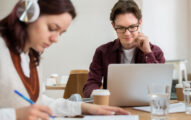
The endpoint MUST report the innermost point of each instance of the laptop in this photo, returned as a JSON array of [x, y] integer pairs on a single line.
[[128, 83]]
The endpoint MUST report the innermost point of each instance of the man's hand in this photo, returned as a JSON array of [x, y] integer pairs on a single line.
[[143, 43]]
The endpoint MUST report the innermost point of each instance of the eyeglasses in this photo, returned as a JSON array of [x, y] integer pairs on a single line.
[[131, 28]]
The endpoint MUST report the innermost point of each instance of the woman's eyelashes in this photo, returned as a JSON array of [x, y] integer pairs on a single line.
[[52, 29], [55, 28]]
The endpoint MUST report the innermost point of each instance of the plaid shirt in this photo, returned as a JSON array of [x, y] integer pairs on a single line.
[[110, 53]]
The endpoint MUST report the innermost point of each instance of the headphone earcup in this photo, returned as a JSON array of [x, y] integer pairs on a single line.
[[28, 11]]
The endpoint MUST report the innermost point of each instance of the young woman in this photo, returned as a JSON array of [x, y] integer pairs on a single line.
[[22, 41]]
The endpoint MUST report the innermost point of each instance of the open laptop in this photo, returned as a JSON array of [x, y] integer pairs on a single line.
[[128, 83]]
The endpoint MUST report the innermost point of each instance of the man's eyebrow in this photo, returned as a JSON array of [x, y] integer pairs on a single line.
[[119, 26]]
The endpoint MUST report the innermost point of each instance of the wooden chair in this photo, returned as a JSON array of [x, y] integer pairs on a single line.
[[75, 84]]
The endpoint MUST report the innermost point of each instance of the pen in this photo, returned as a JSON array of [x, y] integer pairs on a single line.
[[27, 99]]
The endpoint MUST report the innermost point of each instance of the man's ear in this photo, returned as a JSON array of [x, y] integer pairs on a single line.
[[140, 22], [113, 24], [140, 25]]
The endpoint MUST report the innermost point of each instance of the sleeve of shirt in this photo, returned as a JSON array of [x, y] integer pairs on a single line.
[[62, 107], [95, 74], [156, 56], [7, 114]]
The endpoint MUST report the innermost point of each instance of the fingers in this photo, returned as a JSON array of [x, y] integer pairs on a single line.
[[107, 110], [118, 111], [95, 109], [41, 111], [141, 36], [33, 112], [122, 112], [43, 108], [102, 111], [37, 114], [143, 43]]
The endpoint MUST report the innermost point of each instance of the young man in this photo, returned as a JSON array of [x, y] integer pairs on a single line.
[[131, 46]]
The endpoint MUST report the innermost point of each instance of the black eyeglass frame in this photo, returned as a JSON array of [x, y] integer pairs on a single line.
[[123, 29]]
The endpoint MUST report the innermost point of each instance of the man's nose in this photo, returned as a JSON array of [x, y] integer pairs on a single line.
[[127, 32]]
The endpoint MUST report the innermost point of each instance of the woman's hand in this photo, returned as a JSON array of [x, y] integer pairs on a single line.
[[33, 112], [102, 110]]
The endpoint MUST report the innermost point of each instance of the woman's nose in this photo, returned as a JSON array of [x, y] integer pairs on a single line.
[[54, 38]]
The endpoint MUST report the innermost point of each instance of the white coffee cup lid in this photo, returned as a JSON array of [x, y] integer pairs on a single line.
[[101, 92], [179, 85]]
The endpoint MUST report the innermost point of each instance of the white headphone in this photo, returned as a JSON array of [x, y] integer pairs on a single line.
[[28, 10]]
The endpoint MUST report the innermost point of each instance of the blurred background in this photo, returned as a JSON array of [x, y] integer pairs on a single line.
[[165, 22]]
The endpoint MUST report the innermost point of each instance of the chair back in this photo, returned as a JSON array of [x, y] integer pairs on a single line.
[[75, 84]]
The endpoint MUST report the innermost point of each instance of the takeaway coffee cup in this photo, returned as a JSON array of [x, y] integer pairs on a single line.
[[101, 96], [179, 92]]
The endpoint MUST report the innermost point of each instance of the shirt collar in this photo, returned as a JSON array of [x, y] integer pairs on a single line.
[[117, 45]]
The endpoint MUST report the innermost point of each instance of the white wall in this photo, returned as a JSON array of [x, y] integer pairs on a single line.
[[165, 22], [89, 30], [6, 6], [189, 35]]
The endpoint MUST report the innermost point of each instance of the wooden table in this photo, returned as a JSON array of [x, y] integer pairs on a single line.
[[146, 115], [57, 87]]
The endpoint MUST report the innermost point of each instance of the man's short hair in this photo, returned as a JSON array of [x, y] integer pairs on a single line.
[[125, 6]]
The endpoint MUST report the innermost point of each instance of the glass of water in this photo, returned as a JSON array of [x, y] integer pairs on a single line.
[[159, 101], [187, 95]]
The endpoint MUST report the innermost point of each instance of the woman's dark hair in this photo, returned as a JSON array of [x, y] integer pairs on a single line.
[[14, 31], [125, 6]]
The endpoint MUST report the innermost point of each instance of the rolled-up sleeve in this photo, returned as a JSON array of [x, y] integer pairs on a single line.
[[63, 107], [156, 56]]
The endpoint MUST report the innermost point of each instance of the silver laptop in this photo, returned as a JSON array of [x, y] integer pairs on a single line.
[[128, 83]]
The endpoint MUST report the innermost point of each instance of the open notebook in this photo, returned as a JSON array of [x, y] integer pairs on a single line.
[[101, 117], [116, 117]]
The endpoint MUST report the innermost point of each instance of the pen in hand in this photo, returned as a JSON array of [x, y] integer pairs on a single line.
[[27, 99]]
